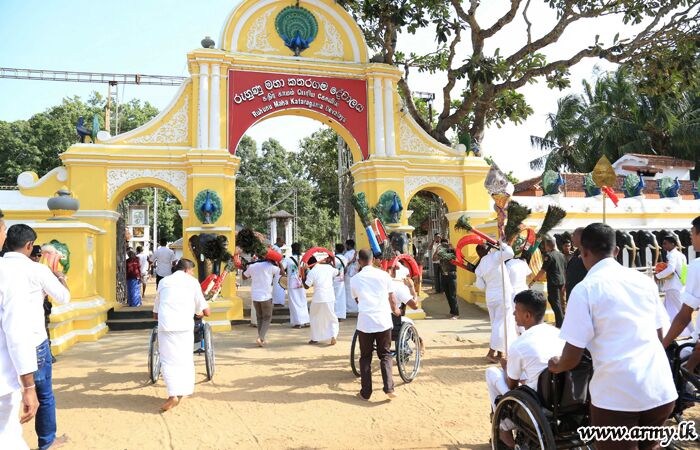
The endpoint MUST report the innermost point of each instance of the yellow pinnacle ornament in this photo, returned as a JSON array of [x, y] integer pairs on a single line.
[[604, 176]]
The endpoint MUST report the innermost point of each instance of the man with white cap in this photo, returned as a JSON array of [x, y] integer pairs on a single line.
[[324, 322]]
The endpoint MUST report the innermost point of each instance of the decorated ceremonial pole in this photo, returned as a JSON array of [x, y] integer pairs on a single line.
[[500, 190], [604, 176]]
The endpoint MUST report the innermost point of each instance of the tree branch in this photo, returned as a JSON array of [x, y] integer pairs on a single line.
[[408, 102], [529, 24], [451, 75], [503, 21]]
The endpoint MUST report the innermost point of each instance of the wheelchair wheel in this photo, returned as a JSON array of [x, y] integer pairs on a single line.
[[524, 414], [209, 352], [355, 354], [153, 356], [408, 352]]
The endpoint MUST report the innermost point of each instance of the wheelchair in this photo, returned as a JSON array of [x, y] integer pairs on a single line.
[[407, 350], [687, 384], [205, 346], [549, 417]]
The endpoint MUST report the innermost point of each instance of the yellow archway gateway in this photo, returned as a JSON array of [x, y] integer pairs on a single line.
[[190, 146]]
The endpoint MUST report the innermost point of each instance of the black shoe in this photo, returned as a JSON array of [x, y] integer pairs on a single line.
[[53, 359]]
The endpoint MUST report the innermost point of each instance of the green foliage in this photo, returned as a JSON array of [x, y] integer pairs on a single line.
[[420, 205], [618, 115], [266, 182], [35, 144]]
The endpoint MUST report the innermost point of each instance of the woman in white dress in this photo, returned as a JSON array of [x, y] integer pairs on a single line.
[[298, 306]]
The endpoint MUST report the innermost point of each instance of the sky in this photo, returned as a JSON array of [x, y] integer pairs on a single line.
[[154, 36]]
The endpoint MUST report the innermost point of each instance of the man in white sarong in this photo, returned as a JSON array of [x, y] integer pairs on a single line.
[[350, 271], [178, 300], [324, 323], [298, 306], [676, 267], [278, 292], [518, 271], [339, 283], [493, 278]]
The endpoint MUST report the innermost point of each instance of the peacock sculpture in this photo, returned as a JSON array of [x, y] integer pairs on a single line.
[[208, 206], [668, 188], [633, 185], [388, 208], [589, 186], [84, 132], [297, 27], [552, 182]]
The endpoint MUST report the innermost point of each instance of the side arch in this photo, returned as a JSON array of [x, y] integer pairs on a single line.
[[138, 183], [452, 199]]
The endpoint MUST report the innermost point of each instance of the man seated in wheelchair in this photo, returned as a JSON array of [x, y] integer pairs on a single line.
[[406, 295], [528, 355], [691, 302]]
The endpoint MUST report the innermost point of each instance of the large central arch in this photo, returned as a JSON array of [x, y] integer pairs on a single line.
[[190, 146]]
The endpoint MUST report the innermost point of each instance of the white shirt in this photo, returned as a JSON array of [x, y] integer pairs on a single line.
[[615, 312], [529, 354], [321, 278], [675, 262], [402, 292], [691, 295], [518, 271], [178, 299], [372, 286], [17, 351], [261, 275], [489, 278], [352, 267], [143, 262], [41, 282], [164, 259]]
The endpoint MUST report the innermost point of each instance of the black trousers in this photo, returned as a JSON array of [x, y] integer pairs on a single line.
[[449, 283], [158, 278], [383, 342], [437, 279], [655, 417], [554, 298]]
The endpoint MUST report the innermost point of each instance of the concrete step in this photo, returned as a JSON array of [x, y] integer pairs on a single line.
[[131, 324], [126, 312]]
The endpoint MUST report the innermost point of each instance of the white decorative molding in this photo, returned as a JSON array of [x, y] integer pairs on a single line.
[[116, 178], [379, 149], [454, 184], [174, 131], [28, 180], [203, 107], [333, 46], [257, 36], [410, 142], [390, 134], [214, 108], [90, 264]]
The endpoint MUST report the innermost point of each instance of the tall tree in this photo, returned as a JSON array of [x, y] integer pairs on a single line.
[[664, 29]]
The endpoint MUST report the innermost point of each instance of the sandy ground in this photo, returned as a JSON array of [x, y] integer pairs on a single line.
[[288, 395]]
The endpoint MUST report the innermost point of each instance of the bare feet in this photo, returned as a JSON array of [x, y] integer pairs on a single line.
[[59, 441], [296, 327], [260, 342], [312, 342], [170, 404], [333, 341], [306, 325], [391, 395]]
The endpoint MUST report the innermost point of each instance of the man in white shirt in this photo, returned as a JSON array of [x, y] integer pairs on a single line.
[[493, 278], [164, 259], [298, 305], [262, 274], [17, 354], [142, 255], [691, 300], [528, 355], [178, 300], [339, 283], [324, 323], [616, 314], [350, 271], [278, 292], [671, 283], [41, 281], [376, 301]]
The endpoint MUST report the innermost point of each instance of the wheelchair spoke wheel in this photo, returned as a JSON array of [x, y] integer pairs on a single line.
[[209, 352], [153, 356], [521, 415], [408, 352], [355, 355]]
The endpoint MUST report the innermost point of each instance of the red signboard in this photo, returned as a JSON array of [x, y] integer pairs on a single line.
[[255, 95]]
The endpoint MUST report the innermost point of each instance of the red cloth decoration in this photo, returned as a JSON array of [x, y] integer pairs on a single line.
[[610, 193]]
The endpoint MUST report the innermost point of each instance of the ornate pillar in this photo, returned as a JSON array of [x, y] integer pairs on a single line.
[[202, 108], [214, 109], [379, 149], [389, 135]]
